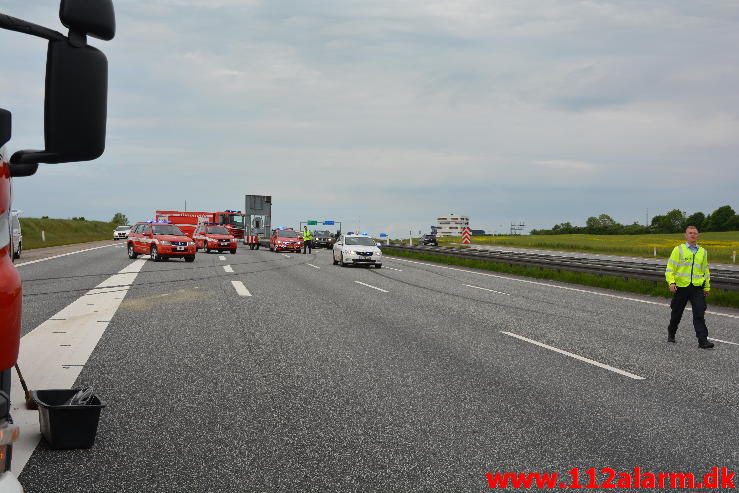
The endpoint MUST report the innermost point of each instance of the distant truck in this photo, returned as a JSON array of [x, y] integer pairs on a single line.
[[257, 220], [187, 221]]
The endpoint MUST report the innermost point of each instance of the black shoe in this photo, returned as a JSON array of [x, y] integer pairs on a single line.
[[671, 338], [705, 344]]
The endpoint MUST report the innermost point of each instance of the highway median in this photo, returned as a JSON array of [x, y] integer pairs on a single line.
[[719, 297]]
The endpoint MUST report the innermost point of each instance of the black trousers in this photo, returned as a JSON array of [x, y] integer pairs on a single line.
[[697, 299], [307, 245]]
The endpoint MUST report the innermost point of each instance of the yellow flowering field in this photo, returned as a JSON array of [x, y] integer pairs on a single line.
[[720, 245]]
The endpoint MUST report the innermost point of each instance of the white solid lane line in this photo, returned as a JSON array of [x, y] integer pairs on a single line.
[[221, 257], [286, 255], [391, 268], [240, 288], [53, 354], [725, 342], [575, 356], [626, 298], [371, 286], [228, 268], [486, 289], [62, 255], [314, 266]]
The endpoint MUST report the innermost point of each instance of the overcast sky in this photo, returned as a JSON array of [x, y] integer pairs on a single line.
[[387, 114]]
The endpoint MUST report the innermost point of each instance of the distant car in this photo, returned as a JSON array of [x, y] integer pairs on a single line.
[[211, 236], [323, 239], [356, 250], [16, 236], [430, 240], [285, 239], [161, 241], [121, 232]]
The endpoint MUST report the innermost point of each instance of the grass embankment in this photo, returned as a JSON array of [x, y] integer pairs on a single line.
[[652, 288], [720, 245], [62, 231]]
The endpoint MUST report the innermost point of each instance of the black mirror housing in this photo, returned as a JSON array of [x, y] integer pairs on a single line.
[[5, 126], [92, 17]]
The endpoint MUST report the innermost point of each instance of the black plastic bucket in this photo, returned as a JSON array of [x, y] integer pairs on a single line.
[[64, 426]]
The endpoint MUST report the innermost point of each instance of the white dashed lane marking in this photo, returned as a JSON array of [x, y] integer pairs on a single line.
[[240, 288], [371, 286], [228, 268], [221, 257], [314, 266], [575, 356], [725, 342], [486, 289]]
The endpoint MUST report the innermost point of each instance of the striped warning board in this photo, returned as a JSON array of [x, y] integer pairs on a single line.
[[466, 233]]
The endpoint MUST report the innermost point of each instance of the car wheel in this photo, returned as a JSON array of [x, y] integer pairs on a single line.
[[190, 258], [257, 247], [233, 252], [271, 249], [154, 254], [17, 253], [333, 257], [131, 253], [378, 266], [341, 260]]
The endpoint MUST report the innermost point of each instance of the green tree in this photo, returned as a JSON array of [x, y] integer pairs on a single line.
[[697, 219], [119, 218], [672, 222], [721, 219]]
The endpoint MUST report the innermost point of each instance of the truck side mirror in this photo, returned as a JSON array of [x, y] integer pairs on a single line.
[[5, 126], [75, 108]]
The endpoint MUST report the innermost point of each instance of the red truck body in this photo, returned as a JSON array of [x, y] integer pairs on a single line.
[[10, 280], [187, 221]]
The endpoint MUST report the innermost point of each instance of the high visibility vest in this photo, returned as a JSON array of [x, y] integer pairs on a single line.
[[307, 235], [684, 268]]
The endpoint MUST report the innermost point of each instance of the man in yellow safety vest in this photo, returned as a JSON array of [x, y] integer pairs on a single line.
[[307, 239], [689, 279]]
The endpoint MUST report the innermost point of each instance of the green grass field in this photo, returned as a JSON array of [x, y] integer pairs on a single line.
[[721, 246], [62, 232]]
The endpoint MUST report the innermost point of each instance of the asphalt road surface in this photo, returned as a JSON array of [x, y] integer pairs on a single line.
[[269, 372]]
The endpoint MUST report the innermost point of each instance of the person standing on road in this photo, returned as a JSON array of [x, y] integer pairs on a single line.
[[689, 279], [307, 239]]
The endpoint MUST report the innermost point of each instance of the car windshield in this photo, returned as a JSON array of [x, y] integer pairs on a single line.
[[288, 234], [166, 229], [360, 240], [217, 230], [321, 233], [123, 228]]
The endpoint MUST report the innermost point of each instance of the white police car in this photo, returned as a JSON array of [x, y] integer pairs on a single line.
[[353, 249], [121, 232]]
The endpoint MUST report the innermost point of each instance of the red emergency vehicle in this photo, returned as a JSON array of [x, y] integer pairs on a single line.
[[212, 236], [187, 221], [286, 239]]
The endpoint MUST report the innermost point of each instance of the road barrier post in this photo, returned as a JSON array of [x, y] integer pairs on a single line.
[[733, 257], [43, 235], [655, 251]]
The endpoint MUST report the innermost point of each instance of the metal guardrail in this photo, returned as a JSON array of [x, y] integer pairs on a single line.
[[720, 279]]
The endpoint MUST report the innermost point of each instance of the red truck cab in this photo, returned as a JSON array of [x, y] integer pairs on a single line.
[[75, 115]]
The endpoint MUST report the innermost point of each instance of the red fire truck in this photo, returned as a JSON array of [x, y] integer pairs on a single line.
[[187, 221], [75, 112]]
